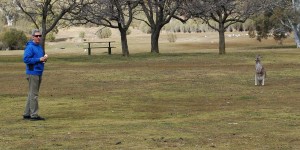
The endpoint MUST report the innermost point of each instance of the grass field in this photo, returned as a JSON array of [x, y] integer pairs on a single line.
[[184, 98]]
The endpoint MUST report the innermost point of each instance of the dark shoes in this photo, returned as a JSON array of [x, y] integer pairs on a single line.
[[33, 118], [37, 118], [26, 117]]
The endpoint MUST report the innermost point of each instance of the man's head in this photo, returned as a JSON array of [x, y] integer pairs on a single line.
[[36, 36]]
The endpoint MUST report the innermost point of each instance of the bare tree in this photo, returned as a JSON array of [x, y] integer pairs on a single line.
[[46, 14], [110, 13], [158, 14], [222, 12]]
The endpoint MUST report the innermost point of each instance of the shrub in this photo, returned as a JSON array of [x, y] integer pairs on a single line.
[[177, 28], [168, 28], [230, 29], [182, 28], [145, 28], [279, 36], [252, 32], [128, 32], [104, 33], [171, 37], [50, 37], [1, 45], [82, 34], [13, 39]]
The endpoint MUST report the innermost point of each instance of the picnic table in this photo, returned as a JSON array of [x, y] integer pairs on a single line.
[[104, 44]]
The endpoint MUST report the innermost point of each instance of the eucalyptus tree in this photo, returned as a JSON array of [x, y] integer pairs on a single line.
[[159, 13], [9, 11], [292, 21], [224, 13], [280, 18], [110, 13], [46, 14]]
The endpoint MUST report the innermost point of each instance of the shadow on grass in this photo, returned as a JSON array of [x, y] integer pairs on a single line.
[[117, 58], [276, 47]]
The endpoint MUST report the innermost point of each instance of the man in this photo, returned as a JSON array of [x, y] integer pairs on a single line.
[[35, 59]]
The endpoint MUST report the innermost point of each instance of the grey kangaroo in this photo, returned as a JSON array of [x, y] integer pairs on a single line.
[[260, 72]]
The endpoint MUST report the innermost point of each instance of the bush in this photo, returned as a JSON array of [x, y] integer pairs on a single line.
[[144, 28], [1, 45], [13, 39], [104, 33], [82, 34], [168, 28], [176, 28], [128, 32], [279, 36], [50, 37], [171, 37]]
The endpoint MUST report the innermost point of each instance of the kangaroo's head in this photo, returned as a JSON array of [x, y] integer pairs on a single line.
[[258, 58]]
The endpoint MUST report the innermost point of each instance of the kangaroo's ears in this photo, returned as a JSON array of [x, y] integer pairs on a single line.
[[258, 57]]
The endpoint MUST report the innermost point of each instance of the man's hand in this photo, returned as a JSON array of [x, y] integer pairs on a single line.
[[44, 59]]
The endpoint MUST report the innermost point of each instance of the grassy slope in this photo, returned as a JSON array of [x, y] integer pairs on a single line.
[[174, 100]]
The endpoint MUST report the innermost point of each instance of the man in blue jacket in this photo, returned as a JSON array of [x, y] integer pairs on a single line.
[[35, 59]]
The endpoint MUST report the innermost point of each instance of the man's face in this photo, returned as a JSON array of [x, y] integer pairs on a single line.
[[37, 37]]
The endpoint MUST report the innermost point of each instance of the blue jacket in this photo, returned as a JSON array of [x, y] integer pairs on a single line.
[[32, 54]]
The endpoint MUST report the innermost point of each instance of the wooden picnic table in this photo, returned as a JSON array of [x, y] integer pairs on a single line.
[[109, 47]]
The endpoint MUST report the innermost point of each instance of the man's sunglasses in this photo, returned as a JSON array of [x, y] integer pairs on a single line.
[[37, 35]]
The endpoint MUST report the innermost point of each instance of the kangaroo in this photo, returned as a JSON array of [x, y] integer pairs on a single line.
[[260, 72]]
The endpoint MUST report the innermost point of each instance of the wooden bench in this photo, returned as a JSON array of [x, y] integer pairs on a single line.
[[109, 47]]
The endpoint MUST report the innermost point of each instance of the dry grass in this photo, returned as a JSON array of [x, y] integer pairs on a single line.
[[185, 98]]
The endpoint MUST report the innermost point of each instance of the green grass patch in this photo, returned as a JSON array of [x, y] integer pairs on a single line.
[[162, 101]]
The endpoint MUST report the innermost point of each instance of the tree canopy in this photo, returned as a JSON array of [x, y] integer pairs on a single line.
[[270, 16], [45, 15], [224, 12], [110, 13], [279, 19], [158, 13]]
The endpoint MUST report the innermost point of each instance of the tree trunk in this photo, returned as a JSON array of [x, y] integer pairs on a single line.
[[154, 41], [43, 41], [125, 51], [295, 27], [296, 32], [44, 34], [9, 20], [296, 35], [221, 39]]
